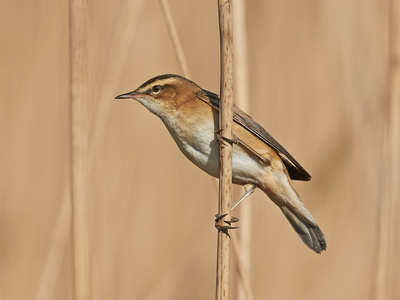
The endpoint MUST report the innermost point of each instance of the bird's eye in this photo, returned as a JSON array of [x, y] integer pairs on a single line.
[[156, 88]]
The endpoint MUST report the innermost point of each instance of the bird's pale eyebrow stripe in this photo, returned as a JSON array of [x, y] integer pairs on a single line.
[[163, 78], [162, 82]]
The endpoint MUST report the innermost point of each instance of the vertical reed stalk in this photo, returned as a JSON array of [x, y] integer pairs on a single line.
[[175, 38], [242, 99], [388, 235], [178, 51], [124, 37], [243, 280], [225, 123], [56, 251], [78, 90]]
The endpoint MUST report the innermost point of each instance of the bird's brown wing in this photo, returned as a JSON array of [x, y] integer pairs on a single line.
[[296, 171]]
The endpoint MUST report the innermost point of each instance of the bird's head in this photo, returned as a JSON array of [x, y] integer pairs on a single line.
[[164, 94]]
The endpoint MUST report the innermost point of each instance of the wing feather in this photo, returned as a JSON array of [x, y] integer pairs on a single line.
[[296, 171]]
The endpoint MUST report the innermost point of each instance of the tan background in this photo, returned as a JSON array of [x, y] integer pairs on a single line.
[[319, 73]]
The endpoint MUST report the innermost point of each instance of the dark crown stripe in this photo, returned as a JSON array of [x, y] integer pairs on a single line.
[[161, 77]]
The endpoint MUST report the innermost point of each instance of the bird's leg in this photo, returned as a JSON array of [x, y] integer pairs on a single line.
[[247, 193], [224, 228], [249, 189]]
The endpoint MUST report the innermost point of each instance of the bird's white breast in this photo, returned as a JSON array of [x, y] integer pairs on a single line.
[[200, 147]]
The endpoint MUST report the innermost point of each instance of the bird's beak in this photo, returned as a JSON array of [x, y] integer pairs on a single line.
[[130, 95]]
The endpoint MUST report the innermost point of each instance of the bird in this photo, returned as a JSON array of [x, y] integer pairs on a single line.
[[191, 116]]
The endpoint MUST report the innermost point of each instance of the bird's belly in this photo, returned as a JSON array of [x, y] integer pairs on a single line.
[[202, 150], [246, 167]]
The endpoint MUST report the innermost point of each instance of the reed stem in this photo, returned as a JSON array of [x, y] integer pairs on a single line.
[[389, 208], [175, 38], [225, 123], [78, 90], [242, 99]]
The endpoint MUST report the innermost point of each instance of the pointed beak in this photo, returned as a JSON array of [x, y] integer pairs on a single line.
[[130, 95]]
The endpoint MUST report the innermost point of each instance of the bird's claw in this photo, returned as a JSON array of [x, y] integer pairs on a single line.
[[224, 228], [233, 220], [222, 140]]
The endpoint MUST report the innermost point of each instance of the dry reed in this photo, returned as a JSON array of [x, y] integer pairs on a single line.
[[244, 292], [389, 209], [121, 46], [174, 37], [79, 93], [225, 126], [56, 252], [242, 99]]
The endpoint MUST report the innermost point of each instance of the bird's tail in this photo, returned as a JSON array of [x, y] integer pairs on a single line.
[[309, 233]]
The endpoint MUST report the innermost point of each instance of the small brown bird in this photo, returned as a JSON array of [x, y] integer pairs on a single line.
[[191, 116]]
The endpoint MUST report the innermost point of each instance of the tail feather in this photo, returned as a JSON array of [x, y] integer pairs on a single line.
[[310, 234]]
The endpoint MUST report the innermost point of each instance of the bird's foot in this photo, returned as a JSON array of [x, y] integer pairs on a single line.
[[222, 227], [223, 140]]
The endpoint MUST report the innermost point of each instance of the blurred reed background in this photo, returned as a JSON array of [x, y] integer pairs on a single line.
[[324, 80]]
